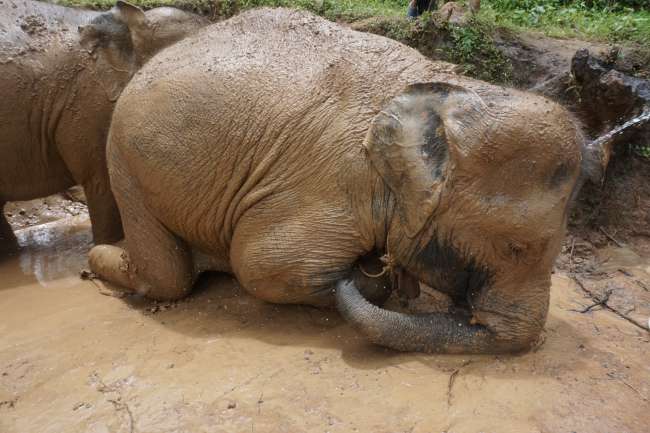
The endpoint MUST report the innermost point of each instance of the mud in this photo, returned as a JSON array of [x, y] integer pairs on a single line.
[[71, 202], [73, 360]]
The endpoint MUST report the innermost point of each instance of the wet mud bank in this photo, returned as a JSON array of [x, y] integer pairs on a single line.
[[75, 360]]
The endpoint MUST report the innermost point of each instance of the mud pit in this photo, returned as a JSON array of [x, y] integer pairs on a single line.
[[74, 360]]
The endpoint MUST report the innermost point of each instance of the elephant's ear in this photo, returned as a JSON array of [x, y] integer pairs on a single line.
[[131, 15], [415, 139], [119, 28]]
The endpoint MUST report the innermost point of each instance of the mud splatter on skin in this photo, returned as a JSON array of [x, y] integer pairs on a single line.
[[273, 109]]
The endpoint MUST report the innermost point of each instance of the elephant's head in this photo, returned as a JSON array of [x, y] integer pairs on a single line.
[[125, 37], [481, 179]]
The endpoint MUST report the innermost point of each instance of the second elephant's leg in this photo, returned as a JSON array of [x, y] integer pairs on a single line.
[[155, 262], [104, 214], [7, 237]]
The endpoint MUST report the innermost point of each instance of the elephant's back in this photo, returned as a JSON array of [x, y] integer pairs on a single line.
[[28, 27], [264, 71], [38, 44], [36, 40], [282, 49], [268, 100]]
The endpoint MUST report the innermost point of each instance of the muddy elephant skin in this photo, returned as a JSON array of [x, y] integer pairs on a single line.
[[283, 148], [61, 71]]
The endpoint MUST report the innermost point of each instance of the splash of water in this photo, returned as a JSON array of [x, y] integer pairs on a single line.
[[616, 132]]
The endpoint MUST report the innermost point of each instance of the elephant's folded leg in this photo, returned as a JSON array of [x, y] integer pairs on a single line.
[[156, 262]]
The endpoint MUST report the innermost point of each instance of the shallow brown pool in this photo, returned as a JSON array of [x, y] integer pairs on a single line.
[[74, 360]]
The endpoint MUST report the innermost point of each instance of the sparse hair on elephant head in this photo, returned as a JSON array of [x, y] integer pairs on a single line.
[[130, 36]]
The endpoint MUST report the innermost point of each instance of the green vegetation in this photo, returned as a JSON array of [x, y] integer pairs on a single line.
[[473, 48], [603, 20], [642, 150]]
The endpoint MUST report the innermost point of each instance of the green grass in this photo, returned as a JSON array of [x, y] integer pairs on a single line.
[[596, 20], [473, 48]]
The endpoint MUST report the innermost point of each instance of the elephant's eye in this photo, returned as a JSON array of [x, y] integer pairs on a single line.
[[513, 250], [516, 249], [526, 252]]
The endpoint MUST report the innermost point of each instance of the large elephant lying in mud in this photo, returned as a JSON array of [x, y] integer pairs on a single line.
[[61, 71], [285, 149]]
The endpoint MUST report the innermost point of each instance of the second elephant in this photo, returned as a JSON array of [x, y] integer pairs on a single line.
[[61, 71]]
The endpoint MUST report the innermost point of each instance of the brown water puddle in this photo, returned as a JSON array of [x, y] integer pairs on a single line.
[[72, 360]]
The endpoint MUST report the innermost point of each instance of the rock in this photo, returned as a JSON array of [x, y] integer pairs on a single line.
[[608, 97]]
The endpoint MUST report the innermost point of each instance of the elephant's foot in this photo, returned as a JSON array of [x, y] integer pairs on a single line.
[[112, 264]]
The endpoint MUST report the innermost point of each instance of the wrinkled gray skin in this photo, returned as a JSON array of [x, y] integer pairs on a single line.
[[61, 71], [283, 148]]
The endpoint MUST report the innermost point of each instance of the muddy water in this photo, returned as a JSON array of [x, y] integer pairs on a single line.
[[74, 360]]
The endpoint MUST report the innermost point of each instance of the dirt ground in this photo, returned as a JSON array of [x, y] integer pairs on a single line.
[[73, 359]]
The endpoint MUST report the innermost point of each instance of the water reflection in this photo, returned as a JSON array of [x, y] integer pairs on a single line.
[[47, 252]]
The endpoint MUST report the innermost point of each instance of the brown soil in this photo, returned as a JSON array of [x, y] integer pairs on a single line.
[[74, 360], [617, 211], [43, 210]]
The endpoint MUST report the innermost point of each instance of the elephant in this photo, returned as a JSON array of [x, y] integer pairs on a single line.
[[61, 71], [288, 150]]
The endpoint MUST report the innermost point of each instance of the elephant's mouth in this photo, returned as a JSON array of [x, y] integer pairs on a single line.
[[494, 313], [453, 271], [443, 268]]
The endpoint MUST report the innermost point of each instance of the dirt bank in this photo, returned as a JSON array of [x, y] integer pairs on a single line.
[[74, 360]]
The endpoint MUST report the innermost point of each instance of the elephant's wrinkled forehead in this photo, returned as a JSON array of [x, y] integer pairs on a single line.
[[526, 142]]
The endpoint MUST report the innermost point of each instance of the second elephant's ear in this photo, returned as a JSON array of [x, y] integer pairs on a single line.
[[413, 141], [119, 28], [129, 14]]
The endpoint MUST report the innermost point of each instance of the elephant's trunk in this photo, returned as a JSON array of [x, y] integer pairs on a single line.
[[432, 333]]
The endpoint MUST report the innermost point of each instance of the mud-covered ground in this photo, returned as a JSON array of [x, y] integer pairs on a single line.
[[75, 359]]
